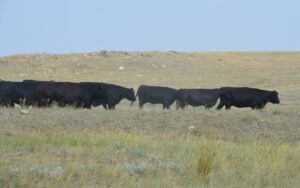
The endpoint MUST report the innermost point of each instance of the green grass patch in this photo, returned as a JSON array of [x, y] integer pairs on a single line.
[[99, 159]]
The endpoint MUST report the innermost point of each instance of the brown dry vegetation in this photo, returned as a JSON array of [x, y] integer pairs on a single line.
[[152, 147]]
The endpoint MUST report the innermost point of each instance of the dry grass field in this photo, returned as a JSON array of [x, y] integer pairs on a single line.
[[128, 147]]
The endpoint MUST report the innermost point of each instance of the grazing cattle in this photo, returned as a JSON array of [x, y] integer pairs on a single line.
[[69, 93], [197, 97], [246, 97], [113, 94], [17, 92], [156, 95]]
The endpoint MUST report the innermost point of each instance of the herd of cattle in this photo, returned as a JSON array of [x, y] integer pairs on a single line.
[[87, 94]]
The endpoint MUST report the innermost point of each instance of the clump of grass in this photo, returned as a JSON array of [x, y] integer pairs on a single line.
[[161, 165], [128, 168], [118, 146], [137, 153], [205, 162], [140, 169], [48, 172]]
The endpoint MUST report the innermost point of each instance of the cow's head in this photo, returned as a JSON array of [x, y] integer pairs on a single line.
[[273, 97], [130, 95]]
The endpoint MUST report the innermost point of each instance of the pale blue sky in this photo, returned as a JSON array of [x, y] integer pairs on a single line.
[[63, 26]]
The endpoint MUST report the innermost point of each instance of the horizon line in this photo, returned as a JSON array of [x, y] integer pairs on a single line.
[[148, 51]]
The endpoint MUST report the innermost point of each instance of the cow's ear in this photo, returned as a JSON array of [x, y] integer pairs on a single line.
[[274, 92]]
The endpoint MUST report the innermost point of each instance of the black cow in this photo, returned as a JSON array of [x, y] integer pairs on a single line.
[[5, 93], [33, 84], [157, 95], [16, 92], [246, 97], [113, 94], [197, 97], [68, 93]]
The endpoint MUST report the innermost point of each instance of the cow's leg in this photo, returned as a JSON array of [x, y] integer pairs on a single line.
[[87, 102], [177, 104], [180, 104], [227, 106], [220, 106], [30, 102], [166, 106], [6, 103], [38, 103], [61, 104], [87, 105], [258, 105], [105, 106], [11, 104], [141, 104], [77, 104], [49, 102], [183, 105], [41, 102], [111, 104]]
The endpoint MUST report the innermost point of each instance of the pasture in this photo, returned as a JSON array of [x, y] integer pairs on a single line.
[[128, 147]]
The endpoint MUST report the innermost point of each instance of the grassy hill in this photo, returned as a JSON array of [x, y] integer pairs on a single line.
[[59, 147]]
